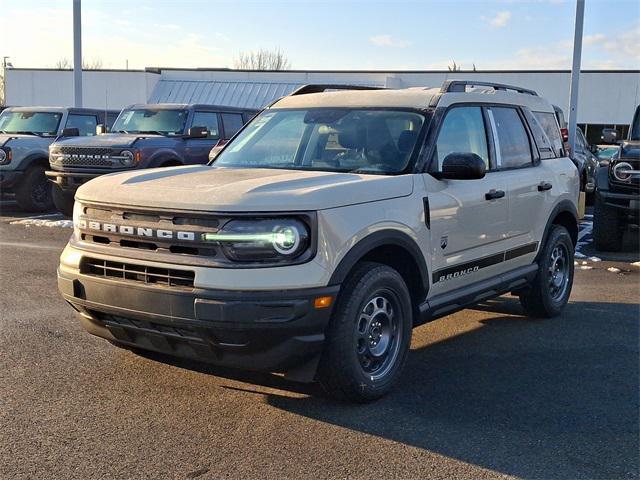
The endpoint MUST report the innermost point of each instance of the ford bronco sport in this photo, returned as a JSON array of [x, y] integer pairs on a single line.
[[329, 227], [25, 136], [618, 192], [143, 136]]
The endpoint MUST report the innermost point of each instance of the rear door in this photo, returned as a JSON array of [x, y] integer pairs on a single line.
[[468, 218], [231, 123], [528, 184]]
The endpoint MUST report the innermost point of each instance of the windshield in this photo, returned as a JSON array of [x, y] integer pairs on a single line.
[[341, 140], [145, 120], [635, 128], [35, 123]]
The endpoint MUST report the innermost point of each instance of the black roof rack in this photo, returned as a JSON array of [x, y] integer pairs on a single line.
[[318, 88], [459, 86]]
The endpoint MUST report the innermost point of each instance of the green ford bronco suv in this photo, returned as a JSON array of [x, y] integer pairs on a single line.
[[331, 225]]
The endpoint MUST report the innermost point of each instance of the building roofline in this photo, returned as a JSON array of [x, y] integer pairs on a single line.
[[159, 70]]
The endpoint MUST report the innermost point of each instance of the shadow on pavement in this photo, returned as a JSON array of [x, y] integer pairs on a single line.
[[553, 398]]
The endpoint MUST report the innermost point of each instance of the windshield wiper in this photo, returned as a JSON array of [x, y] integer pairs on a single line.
[[28, 132], [153, 132]]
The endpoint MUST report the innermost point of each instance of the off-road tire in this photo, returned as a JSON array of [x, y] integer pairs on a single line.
[[33, 193], [63, 201], [340, 371], [607, 227], [538, 301]]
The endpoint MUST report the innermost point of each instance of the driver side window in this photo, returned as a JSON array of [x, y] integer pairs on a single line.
[[462, 131]]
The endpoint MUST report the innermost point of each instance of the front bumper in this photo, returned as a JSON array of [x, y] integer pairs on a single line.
[[629, 202], [272, 331], [71, 181]]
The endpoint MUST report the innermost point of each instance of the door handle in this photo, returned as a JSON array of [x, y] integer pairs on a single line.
[[544, 186], [493, 194]]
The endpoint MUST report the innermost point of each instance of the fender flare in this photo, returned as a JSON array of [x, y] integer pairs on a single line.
[[163, 156], [562, 206], [602, 178], [373, 241], [30, 159]]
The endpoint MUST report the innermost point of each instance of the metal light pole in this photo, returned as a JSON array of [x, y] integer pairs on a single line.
[[4, 80], [575, 74], [77, 54]]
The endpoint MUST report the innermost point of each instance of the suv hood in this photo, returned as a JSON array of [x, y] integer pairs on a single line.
[[10, 138], [630, 149], [208, 188], [120, 140]]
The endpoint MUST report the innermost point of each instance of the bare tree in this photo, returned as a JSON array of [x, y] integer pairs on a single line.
[[1, 87], [454, 67], [262, 60], [65, 64]]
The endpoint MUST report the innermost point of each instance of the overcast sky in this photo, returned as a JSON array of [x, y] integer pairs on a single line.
[[325, 34]]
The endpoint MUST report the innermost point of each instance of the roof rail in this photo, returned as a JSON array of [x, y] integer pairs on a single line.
[[458, 86], [318, 88]]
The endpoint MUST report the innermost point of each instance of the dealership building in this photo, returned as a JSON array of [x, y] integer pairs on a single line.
[[607, 97]]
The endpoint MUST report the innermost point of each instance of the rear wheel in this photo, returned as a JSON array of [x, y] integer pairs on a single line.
[[63, 201], [369, 335], [33, 193], [607, 227], [550, 290]]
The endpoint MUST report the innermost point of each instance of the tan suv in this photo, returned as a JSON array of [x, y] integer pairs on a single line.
[[333, 224]]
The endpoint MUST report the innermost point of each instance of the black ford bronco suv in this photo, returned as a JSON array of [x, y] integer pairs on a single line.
[[25, 136], [617, 201], [143, 136], [327, 229]]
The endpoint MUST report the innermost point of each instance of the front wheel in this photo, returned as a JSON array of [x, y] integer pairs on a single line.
[[33, 194], [63, 201], [550, 290], [369, 335]]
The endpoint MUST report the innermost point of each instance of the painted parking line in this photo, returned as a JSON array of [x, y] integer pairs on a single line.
[[34, 246]]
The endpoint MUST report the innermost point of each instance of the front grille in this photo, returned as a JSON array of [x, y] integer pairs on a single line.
[[86, 162], [83, 150], [163, 277]]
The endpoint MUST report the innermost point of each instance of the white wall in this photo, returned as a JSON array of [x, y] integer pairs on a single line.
[[99, 87], [605, 97]]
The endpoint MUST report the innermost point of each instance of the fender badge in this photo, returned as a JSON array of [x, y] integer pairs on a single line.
[[443, 242]]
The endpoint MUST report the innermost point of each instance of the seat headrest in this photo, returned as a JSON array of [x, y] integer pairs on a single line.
[[351, 136], [407, 140]]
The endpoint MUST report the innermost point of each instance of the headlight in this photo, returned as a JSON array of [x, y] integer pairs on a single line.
[[128, 158], [262, 240], [622, 171], [3, 157], [77, 211]]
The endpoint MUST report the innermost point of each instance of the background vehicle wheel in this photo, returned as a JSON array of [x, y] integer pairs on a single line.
[[63, 201], [607, 227], [551, 288], [369, 335], [33, 194]]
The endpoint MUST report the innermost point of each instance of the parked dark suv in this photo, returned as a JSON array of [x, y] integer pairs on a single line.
[[617, 201], [143, 136], [25, 136]]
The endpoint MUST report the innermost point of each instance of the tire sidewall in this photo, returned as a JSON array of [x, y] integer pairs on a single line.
[[390, 283], [559, 235]]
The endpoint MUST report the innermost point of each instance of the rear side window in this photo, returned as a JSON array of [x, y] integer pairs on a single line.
[[540, 137], [86, 124], [208, 120], [462, 131], [549, 124], [512, 141], [232, 123], [247, 116]]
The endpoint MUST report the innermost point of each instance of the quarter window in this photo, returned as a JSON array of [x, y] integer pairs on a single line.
[[86, 124], [549, 124], [208, 120], [462, 132], [512, 141]]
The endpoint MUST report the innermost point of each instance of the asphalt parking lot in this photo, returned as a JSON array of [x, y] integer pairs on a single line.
[[487, 393]]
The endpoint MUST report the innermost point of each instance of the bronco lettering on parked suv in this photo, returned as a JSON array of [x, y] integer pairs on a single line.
[[329, 227]]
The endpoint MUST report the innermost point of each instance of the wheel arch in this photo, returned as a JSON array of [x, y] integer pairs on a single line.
[[566, 215], [395, 249]]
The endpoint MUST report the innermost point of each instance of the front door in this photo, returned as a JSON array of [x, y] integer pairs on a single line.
[[197, 149], [468, 217]]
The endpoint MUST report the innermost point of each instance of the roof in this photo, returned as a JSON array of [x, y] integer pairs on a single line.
[[416, 97], [250, 95], [59, 109], [197, 106]]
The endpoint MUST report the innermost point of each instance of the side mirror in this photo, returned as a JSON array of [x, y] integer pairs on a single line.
[[462, 166], [215, 151], [70, 132], [197, 132], [101, 129], [609, 135]]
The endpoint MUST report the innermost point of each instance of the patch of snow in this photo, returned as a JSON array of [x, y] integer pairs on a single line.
[[579, 255], [586, 267], [40, 222], [595, 259], [613, 270], [636, 264]]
